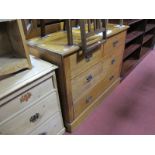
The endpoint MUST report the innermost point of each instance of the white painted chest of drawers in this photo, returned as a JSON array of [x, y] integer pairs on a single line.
[[29, 102]]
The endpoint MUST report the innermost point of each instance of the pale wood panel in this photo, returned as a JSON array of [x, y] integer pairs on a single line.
[[10, 64], [25, 98], [13, 45], [21, 79], [14, 32], [52, 126], [22, 124]]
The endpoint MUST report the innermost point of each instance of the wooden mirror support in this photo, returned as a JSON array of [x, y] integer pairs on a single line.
[[14, 53]]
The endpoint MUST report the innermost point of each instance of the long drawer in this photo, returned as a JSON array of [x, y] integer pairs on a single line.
[[80, 64], [114, 45], [52, 126], [32, 117], [86, 80], [24, 98]]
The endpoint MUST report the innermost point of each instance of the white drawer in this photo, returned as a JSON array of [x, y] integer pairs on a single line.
[[26, 99], [32, 117], [52, 126]]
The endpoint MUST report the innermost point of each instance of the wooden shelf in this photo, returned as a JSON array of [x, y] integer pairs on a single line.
[[149, 27], [136, 41], [10, 64], [147, 38], [129, 50], [133, 21], [133, 35], [144, 51], [128, 66]]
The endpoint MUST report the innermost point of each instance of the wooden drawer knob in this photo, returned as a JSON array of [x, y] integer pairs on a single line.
[[89, 78], [25, 97], [113, 61], [89, 99], [111, 78], [115, 43], [34, 118], [88, 57]]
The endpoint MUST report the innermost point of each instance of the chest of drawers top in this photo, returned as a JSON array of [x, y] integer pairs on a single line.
[[16, 81], [57, 43]]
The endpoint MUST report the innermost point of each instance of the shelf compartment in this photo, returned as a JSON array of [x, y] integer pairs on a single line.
[[147, 38], [128, 66], [133, 35], [129, 50], [149, 27], [144, 51]]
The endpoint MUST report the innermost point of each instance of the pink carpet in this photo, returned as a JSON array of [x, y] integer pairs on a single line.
[[130, 109]]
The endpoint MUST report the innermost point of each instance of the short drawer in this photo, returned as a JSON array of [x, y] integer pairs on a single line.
[[114, 45], [52, 126], [112, 63], [26, 98], [79, 64], [86, 80], [32, 117]]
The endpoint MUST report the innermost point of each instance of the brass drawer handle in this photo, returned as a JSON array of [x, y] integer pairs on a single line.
[[34, 118], [89, 78], [113, 61], [88, 57], [89, 99], [111, 78], [115, 43], [25, 97]]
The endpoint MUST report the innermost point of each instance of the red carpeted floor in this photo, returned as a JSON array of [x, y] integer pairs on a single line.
[[130, 109]]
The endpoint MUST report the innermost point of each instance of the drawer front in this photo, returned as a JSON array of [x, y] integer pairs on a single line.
[[32, 117], [26, 99], [79, 65], [51, 127], [112, 63], [86, 80], [115, 45]]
